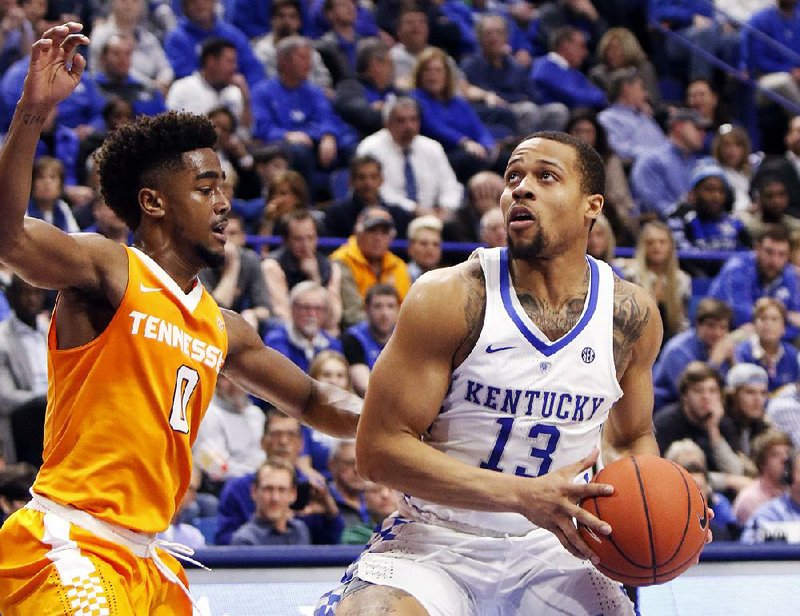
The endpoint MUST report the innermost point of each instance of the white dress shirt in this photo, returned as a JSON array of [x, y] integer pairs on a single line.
[[437, 185]]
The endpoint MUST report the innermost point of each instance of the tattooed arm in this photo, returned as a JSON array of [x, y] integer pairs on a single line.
[[439, 322], [637, 338]]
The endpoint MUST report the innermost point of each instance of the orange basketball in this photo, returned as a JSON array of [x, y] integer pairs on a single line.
[[658, 520]]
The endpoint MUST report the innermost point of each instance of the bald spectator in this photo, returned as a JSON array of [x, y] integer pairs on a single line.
[[366, 260], [493, 228]]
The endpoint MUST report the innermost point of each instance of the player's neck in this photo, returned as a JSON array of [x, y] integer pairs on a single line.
[[181, 270], [555, 280]]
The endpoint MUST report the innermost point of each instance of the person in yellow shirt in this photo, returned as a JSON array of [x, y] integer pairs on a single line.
[[134, 350], [366, 260]]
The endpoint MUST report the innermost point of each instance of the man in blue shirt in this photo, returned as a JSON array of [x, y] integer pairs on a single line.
[[763, 272], [304, 337], [629, 121], [661, 176], [293, 112], [200, 22], [505, 82], [557, 76], [770, 45], [274, 489], [708, 341], [364, 341]]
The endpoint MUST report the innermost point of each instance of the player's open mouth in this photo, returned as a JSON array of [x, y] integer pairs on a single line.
[[520, 217], [219, 228]]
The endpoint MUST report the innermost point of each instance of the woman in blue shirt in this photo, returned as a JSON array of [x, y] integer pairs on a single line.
[[448, 117]]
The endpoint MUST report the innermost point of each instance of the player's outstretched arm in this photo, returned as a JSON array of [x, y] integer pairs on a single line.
[[407, 387], [37, 251], [638, 331], [272, 377]]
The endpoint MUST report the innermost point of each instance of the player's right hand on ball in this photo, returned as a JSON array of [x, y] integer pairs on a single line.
[[551, 502]]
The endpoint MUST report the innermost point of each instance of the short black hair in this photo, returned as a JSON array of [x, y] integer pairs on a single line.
[[590, 165], [132, 153], [213, 47]]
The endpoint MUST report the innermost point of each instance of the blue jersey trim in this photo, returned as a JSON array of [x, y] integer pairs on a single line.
[[547, 349]]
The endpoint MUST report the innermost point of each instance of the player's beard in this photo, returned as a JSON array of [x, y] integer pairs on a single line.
[[207, 256], [528, 250]]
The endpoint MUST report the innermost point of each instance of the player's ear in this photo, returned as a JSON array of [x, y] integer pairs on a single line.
[[151, 203], [594, 205]]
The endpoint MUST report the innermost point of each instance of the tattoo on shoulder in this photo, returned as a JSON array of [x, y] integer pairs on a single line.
[[630, 319], [474, 309]]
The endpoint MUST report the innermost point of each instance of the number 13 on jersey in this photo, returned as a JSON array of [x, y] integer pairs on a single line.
[[545, 438]]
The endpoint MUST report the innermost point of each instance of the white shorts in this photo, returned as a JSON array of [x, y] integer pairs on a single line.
[[452, 573]]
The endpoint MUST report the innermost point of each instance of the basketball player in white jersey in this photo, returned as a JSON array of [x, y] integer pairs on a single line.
[[486, 408]]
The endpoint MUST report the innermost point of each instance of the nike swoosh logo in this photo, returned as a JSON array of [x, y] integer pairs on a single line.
[[489, 349], [145, 289], [703, 519]]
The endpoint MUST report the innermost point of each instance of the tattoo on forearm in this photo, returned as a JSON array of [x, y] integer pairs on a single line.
[[473, 312], [629, 322], [33, 118]]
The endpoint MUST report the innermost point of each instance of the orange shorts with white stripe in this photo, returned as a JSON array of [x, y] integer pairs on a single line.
[[50, 566]]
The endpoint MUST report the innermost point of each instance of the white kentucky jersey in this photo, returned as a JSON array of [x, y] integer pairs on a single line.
[[521, 403]]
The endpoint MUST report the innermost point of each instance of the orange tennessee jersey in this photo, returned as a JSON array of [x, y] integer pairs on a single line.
[[124, 409]]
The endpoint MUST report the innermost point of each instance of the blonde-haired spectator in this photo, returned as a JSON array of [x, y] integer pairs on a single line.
[[655, 267], [424, 245], [618, 49], [765, 347]]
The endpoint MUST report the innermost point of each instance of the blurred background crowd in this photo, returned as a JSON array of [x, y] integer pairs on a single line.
[[364, 143]]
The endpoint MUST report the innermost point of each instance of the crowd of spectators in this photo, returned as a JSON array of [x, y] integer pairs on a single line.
[[386, 126]]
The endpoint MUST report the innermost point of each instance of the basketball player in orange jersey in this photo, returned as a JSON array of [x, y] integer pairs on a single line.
[[135, 347], [485, 411]]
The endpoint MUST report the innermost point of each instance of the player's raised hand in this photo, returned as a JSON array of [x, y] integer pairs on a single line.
[[551, 502], [55, 68]]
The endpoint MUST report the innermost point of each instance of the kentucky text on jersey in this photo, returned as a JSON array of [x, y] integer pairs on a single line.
[[561, 405], [170, 334]]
